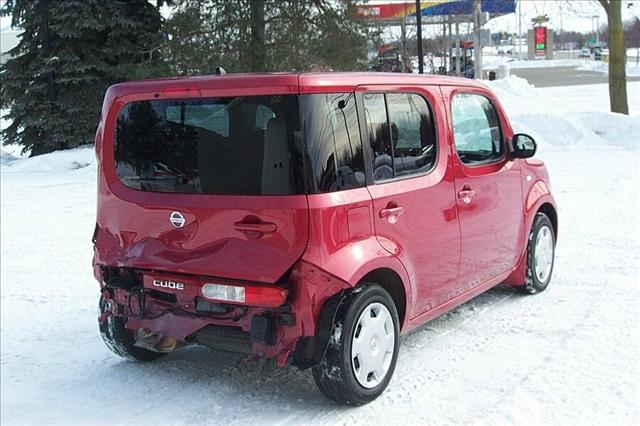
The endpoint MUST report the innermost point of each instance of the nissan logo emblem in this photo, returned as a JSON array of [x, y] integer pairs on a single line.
[[177, 219]]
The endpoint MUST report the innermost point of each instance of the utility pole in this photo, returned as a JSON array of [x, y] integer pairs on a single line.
[[449, 49], [520, 30], [419, 37], [458, 48], [477, 49], [561, 31]]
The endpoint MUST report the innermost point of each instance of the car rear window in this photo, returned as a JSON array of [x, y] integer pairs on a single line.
[[252, 145], [238, 145]]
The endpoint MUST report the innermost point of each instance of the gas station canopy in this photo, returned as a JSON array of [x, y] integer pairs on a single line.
[[391, 13]]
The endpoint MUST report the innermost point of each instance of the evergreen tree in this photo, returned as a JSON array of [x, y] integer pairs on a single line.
[[54, 83], [265, 35]]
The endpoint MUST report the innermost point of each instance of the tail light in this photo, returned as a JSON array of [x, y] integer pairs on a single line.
[[252, 295]]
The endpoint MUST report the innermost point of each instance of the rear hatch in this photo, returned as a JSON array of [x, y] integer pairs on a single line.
[[200, 179]]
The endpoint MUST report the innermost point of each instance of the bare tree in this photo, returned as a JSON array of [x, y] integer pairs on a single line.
[[617, 57]]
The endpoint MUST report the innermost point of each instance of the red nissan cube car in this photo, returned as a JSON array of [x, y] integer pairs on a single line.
[[310, 218]]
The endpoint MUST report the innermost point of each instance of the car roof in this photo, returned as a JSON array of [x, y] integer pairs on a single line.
[[280, 83]]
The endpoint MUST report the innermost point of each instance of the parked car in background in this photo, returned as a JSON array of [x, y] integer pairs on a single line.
[[599, 52], [310, 218]]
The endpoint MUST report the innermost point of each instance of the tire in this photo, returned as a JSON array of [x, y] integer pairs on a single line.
[[120, 340], [366, 321], [540, 255]]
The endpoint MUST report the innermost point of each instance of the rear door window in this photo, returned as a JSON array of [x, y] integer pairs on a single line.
[[401, 134], [332, 135], [413, 133]]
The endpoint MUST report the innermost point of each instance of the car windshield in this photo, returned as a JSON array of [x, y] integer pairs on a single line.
[[250, 145]]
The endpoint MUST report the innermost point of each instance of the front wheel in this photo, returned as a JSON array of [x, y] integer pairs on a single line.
[[363, 348], [540, 255]]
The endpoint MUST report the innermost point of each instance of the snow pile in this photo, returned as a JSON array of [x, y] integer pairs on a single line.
[[633, 69], [6, 157], [567, 117], [59, 161], [513, 86], [617, 129]]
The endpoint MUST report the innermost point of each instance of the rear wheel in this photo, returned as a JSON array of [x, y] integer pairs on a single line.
[[540, 255], [121, 340], [363, 348]]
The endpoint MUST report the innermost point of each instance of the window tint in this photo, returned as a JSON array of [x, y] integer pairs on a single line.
[[332, 135], [476, 129], [263, 115], [241, 145], [212, 117], [375, 113], [413, 133], [404, 143]]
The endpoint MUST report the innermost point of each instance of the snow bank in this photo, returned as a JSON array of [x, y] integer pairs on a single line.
[[493, 63], [59, 161], [6, 157], [568, 118], [633, 70], [513, 86]]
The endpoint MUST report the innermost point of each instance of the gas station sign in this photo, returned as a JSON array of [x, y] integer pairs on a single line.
[[540, 40]]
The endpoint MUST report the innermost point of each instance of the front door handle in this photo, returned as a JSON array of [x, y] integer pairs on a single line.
[[255, 230], [466, 194], [391, 213]]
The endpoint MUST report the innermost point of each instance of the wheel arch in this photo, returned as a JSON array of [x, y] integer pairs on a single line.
[[392, 283], [548, 209], [544, 205]]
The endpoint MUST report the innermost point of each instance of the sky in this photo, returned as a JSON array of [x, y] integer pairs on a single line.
[[570, 15]]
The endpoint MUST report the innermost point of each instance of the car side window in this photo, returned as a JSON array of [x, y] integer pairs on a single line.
[[401, 134], [332, 136], [414, 139], [476, 129], [375, 112]]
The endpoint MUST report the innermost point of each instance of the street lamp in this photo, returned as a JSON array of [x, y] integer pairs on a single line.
[[595, 19]]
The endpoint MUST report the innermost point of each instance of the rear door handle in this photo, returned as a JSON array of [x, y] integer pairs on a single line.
[[466, 194], [255, 230], [391, 213]]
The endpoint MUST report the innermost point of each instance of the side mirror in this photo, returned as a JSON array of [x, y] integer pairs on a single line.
[[523, 146]]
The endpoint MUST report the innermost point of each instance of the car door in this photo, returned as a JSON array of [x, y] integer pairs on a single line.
[[488, 187], [411, 183]]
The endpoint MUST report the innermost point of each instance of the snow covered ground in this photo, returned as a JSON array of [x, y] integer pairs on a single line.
[[570, 355]]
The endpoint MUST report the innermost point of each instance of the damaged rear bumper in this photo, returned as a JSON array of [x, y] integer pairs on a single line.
[[175, 308]]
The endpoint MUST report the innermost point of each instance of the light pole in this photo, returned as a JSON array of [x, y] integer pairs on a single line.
[[477, 43], [520, 30], [419, 36], [595, 23]]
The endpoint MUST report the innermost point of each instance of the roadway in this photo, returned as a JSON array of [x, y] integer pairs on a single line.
[[562, 76]]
